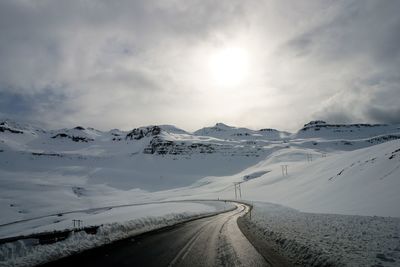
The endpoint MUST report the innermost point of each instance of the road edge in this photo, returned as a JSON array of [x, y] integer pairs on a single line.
[[260, 244], [150, 232]]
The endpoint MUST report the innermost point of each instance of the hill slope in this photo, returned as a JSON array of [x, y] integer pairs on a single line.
[[354, 168]]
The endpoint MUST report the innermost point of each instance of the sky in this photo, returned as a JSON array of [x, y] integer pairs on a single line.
[[257, 64]]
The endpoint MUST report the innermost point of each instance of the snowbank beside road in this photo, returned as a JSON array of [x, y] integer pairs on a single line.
[[97, 216], [327, 239], [117, 224]]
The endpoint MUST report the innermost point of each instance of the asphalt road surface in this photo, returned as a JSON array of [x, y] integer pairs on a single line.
[[212, 241]]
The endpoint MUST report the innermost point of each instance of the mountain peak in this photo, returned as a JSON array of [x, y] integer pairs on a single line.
[[221, 125], [316, 122]]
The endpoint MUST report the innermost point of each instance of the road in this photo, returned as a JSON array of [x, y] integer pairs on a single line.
[[211, 241]]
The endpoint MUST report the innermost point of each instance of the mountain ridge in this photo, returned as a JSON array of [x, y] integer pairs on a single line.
[[165, 162]]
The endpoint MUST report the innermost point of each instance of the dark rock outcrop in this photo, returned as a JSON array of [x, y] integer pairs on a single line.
[[5, 128], [139, 133], [162, 147], [73, 138], [318, 125]]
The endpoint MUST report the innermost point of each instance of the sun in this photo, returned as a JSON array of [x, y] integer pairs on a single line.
[[229, 66]]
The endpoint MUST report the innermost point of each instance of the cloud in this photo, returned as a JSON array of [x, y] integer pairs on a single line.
[[385, 115], [352, 54], [127, 63], [41, 108]]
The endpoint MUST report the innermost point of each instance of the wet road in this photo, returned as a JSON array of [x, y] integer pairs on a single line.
[[212, 241]]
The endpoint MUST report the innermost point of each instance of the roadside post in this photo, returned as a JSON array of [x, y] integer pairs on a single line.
[[77, 223]]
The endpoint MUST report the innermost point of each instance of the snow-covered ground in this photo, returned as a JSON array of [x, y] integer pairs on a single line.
[[361, 182], [106, 215], [312, 239], [331, 169]]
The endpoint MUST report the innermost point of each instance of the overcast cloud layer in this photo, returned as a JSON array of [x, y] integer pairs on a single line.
[[122, 64]]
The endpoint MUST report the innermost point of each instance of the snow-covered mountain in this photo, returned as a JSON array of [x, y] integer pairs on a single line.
[[321, 129], [333, 168], [224, 131]]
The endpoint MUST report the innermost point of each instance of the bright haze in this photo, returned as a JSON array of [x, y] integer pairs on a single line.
[[122, 64]]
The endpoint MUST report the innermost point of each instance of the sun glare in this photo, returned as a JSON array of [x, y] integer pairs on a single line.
[[229, 66]]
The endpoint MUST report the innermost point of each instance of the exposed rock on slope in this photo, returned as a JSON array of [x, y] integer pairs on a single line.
[[72, 137], [321, 129], [224, 131], [160, 146], [5, 128], [139, 133]]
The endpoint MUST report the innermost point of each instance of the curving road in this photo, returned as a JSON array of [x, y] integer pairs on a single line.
[[212, 241]]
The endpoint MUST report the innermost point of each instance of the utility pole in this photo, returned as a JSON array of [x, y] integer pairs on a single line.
[[234, 184], [238, 190], [284, 170]]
